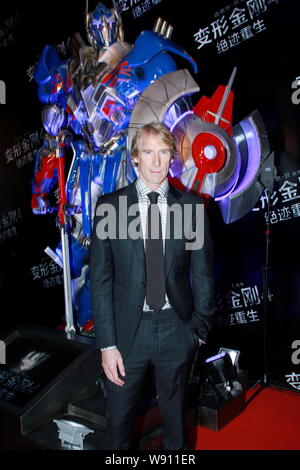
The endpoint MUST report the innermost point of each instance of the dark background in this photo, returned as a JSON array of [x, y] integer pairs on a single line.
[[31, 288]]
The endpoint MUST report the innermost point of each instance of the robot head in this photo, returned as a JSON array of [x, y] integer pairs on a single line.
[[104, 26]]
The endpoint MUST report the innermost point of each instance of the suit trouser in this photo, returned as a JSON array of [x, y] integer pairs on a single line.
[[167, 343]]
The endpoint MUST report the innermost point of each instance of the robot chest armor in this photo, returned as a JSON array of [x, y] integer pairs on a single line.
[[96, 110]]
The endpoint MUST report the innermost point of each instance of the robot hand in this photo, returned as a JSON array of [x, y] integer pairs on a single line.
[[41, 205]]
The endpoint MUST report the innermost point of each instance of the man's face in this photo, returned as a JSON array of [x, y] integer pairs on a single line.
[[153, 159]]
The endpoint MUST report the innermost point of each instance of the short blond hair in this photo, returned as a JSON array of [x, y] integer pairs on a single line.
[[154, 128]]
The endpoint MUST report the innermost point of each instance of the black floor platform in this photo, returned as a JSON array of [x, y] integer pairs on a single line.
[[50, 375]]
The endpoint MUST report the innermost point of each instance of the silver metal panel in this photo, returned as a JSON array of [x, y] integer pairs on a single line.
[[155, 101], [257, 168]]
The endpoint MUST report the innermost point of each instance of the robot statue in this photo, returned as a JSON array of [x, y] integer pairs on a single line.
[[91, 97], [102, 95]]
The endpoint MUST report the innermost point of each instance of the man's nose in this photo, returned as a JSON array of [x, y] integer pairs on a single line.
[[156, 159]]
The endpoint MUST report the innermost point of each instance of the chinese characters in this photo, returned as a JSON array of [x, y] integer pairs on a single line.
[[137, 7], [49, 273], [293, 380], [284, 201], [234, 24], [241, 304], [24, 148], [8, 223]]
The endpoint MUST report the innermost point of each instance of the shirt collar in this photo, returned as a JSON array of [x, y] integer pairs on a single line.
[[143, 190]]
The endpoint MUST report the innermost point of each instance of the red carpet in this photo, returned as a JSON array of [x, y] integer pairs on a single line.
[[270, 422]]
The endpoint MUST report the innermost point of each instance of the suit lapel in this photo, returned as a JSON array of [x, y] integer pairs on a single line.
[[134, 218], [170, 242]]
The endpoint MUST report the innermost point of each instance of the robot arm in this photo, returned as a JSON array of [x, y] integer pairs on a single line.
[[54, 120], [45, 176], [54, 83]]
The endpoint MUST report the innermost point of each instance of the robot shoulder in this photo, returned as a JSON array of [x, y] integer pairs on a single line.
[[148, 44], [48, 62], [53, 77]]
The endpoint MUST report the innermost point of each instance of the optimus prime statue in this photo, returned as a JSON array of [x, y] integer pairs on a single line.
[[96, 100]]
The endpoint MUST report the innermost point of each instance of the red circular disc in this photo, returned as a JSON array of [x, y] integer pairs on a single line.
[[202, 141]]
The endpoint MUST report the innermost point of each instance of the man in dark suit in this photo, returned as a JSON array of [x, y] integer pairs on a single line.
[[152, 289]]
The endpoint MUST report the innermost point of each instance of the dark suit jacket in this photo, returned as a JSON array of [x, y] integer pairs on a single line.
[[118, 275]]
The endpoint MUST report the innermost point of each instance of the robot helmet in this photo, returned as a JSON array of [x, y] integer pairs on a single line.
[[104, 26]]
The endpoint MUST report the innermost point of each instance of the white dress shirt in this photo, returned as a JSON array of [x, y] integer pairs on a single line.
[[144, 202]]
